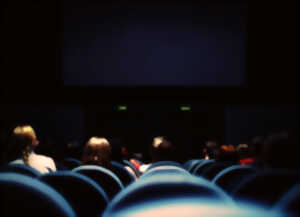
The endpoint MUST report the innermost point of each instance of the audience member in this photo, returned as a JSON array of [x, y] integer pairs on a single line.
[[21, 150], [161, 149], [255, 146], [210, 149], [281, 150], [227, 153], [97, 151], [245, 155]]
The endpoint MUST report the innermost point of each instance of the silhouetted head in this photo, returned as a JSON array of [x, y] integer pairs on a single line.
[[280, 150], [227, 153], [23, 142], [97, 151], [161, 149], [24, 137]]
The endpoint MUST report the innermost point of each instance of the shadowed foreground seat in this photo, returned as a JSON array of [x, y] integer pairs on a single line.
[[86, 197], [167, 185], [123, 174], [20, 169], [290, 201], [189, 207], [202, 166], [165, 163], [22, 196], [230, 177], [191, 164], [211, 171], [266, 187], [71, 163], [103, 177], [164, 170]]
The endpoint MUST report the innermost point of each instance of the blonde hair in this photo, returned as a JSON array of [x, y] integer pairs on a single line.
[[25, 140], [97, 151]]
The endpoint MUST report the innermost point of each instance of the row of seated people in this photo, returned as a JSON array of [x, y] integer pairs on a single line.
[[96, 187]]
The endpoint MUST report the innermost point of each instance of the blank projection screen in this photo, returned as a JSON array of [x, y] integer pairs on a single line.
[[154, 44]]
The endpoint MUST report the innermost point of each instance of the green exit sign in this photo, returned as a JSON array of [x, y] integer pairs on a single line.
[[185, 108], [122, 107]]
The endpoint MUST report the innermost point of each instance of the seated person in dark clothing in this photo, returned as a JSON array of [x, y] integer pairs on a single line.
[[161, 149], [245, 154], [211, 147], [227, 154], [281, 150]]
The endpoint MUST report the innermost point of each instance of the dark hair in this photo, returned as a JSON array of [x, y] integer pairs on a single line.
[[280, 150], [227, 153], [161, 149]]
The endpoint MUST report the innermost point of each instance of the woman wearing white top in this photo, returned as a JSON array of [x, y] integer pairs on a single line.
[[24, 142]]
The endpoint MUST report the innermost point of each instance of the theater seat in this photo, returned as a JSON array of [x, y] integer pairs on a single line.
[[290, 201], [212, 170], [230, 177], [20, 169], [191, 164], [103, 177], [167, 185], [164, 170], [165, 163], [189, 207], [123, 174], [86, 197], [22, 196], [202, 166], [71, 163], [266, 187]]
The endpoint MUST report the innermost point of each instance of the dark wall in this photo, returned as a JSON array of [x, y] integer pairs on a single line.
[[60, 123], [30, 45], [245, 122], [137, 126]]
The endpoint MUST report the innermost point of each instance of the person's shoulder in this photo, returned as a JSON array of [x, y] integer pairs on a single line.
[[46, 161], [43, 157]]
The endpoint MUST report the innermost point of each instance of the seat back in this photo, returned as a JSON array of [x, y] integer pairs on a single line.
[[164, 170], [266, 187], [167, 185], [212, 170], [230, 177], [86, 197], [290, 201], [123, 174], [103, 177], [201, 166], [71, 163], [20, 169], [26, 196], [191, 164], [165, 163], [190, 207]]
